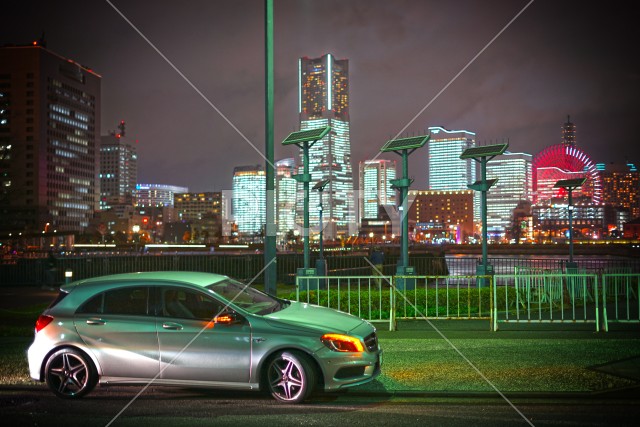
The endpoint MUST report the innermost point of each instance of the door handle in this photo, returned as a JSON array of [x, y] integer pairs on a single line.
[[172, 326], [96, 321]]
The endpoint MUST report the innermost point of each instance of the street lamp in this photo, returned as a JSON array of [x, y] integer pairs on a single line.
[[404, 147], [304, 139], [570, 185], [136, 230], [482, 155], [321, 264]]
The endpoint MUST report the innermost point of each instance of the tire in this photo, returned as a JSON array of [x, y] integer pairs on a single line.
[[290, 377], [70, 374]]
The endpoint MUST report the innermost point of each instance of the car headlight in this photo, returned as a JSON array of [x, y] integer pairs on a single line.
[[343, 343]]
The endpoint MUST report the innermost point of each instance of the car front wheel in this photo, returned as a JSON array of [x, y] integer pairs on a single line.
[[70, 374], [290, 377]]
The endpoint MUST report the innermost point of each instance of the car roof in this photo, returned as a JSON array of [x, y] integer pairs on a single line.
[[191, 277]]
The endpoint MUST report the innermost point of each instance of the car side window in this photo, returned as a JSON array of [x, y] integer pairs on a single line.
[[127, 301], [188, 304]]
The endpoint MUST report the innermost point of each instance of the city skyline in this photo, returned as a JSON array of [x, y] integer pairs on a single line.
[[552, 61]]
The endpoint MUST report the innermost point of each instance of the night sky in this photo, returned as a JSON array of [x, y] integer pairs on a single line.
[[557, 58]]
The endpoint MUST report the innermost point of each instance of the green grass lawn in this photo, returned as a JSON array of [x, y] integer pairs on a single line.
[[512, 365]]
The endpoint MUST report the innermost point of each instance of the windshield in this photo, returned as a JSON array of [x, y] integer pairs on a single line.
[[247, 298]]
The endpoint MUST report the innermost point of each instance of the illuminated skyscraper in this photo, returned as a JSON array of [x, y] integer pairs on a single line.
[[621, 187], [118, 169], [248, 200], [513, 171], [285, 197], [375, 188], [569, 133], [324, 101], [49, 137], [446, 170]]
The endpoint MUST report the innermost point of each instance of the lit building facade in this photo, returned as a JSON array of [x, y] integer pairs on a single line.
[[157, 195], [568, 133], [249, 200], [621, 187], [324, 101], [193, 206], [285, 197], [513, 171], [446, 170], [49, 136], [441, 216], [375, 188], [203, 212], [589, 220], [118, 170]]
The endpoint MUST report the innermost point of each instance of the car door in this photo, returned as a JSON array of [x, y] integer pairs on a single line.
[[193, 347], [120, 330]]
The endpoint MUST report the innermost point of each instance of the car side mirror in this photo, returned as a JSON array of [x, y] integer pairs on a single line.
[[226, 318]]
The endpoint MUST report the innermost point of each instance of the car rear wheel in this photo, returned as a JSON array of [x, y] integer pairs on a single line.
[[290, 377], [70, 374]]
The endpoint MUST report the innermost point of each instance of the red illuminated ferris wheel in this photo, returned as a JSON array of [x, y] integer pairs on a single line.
[[563, 161]]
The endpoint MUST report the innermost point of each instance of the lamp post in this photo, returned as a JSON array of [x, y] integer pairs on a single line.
[[270, 274], [321, 263], [404, 147], [570, 185], [136, 230], [482, 155], [304, 139]]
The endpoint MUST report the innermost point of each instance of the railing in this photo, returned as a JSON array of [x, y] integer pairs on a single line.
[[33, 271], [547, 296], [618, 294], [601, 291], [421, 297], [441, 297], [367, 297], [533, 297], [247, 267]]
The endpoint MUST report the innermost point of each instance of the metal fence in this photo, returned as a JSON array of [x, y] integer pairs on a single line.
[[245, 267], [545, 296], [548, 296], [362, 296], [524, 290], [620, 302], [418, 297]]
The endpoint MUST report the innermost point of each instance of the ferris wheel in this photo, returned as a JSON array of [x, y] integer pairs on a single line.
[[562, 161]]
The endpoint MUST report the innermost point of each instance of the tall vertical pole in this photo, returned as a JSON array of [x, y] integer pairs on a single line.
[[270, 274], [404, 214], [305, 231], [483, 203], [321, 225]]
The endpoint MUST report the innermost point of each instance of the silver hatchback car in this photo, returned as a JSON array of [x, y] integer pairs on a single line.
[[196, 329]]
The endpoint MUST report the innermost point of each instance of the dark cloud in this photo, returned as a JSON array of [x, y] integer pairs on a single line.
[[557, 58]]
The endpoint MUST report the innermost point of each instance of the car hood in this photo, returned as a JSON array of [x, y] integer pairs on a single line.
[[299, 314]]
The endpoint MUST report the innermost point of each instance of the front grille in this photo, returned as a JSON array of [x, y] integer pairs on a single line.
[[371, 342]]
